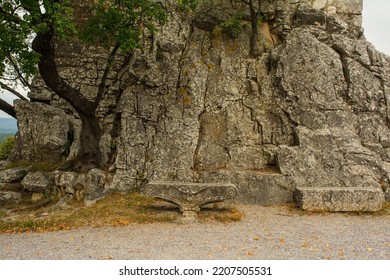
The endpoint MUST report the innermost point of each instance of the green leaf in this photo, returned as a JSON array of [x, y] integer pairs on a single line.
[[122, 22]]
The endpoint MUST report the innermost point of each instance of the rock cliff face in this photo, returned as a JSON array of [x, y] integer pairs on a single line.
[[311, 111]]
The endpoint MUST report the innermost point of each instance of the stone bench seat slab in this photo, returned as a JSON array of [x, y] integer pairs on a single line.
[[339, 199]]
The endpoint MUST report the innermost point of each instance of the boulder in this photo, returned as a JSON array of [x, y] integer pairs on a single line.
[[69, 183], [45, 133], [4, 164], [38, 182], [95, 182], [13, 175], [10, 198], [91, 185]]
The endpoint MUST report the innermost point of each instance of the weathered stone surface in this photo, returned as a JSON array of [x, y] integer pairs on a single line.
[[10, 198], [66, 179], [90, 186], [214, 120], [13, 175], [387, 195], [190, 196], [307, 16], [343, 149], [340, 199], [38, 182], [208, 17], [221, 115], [254, 187], [4, 164], [95, 181], [45, 133]]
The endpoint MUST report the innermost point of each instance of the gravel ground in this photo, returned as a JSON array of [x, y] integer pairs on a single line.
[[264, 233]]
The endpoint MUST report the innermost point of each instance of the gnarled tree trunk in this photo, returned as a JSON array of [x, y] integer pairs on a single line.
[[90, 155], [254, 48]]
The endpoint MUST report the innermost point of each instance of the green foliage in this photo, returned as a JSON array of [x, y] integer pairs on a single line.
[[62, 18], [122, 22], [21, 20], [232, 26], [188, 4], [112, 22], [262, 18], [6, 148]]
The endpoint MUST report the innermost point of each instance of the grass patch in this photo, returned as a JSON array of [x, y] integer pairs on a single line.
[[114, 210], [224, 215]]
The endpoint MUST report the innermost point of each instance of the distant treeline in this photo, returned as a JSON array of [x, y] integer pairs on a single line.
[[4, 136]]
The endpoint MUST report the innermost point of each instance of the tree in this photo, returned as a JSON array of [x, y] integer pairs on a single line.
[[27, 44], [254, 48]]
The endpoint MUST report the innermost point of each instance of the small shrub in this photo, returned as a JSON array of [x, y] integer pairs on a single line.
[[232, 26], [186, 5], [6, 147]]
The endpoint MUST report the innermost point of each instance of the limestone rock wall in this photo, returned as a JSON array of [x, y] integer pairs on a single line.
[[267, 124], [193, 106]]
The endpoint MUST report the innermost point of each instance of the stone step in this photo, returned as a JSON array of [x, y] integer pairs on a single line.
[[255, 187], [190, 196], [339, 199]]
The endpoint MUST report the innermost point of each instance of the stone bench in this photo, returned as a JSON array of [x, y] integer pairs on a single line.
[[190, 197], [339, 199]]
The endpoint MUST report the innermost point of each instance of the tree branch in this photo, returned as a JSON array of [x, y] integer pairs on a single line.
[[11, 90], [102, 85], [7, 108], [11, 18], [18, 71]]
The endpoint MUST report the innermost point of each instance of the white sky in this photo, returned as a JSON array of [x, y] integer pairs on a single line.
[[376, 24]]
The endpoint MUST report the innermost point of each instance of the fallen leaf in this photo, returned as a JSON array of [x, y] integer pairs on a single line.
[[305, 245]]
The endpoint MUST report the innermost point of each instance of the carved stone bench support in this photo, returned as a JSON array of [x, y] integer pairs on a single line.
[[190, 197]]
